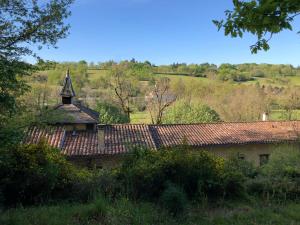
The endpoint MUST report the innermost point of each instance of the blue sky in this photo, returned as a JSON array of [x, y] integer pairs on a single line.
[[163, 32]]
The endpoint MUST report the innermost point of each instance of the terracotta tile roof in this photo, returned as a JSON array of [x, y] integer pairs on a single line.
[[81, 143], [120, 138], [227, 133], [52, 135]]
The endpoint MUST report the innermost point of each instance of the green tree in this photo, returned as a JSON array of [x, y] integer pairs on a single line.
[[183, 112], [23, 24], [125, 86], [262, 18], [289, 101], [159, 99], [110, 114], [11, 85], [242, 104]]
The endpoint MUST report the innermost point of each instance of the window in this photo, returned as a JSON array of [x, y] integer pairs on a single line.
[[263, 159]]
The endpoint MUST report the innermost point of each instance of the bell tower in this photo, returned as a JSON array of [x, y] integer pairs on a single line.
[[67, 93]]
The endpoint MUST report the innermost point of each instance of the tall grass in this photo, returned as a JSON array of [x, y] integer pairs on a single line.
[[124, 211]]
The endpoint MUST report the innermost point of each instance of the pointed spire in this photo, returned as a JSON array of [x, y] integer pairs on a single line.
[[67, 90], [68, 73]]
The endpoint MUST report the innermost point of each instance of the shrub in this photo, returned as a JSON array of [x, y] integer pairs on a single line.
[[174, 199], [83, 188], [235, 173], [279, 179], [145, 173], [284, 162], [235, 163], [36, 173], [233, 184]]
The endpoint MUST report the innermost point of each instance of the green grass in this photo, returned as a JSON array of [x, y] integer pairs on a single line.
[[295, 80], [185, 78], [144, 117], [123, 211], [282, 115], [96, 74], [140, 118]]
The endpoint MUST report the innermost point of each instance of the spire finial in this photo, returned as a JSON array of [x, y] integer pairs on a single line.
[[68, 72], [67, 91]]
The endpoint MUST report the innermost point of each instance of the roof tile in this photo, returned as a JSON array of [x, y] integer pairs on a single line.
[[121, 138]]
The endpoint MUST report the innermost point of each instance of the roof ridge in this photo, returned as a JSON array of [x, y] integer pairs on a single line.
[[187, 124]]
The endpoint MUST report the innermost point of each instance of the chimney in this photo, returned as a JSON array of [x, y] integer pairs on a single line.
[[265, 116], [101, 137]]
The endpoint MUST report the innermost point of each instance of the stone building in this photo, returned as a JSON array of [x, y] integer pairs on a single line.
[[80, 137]]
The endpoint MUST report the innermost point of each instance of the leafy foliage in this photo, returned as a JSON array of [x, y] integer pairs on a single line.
[[260, 18], [146, 173], [284, 161], [11, 85], [174, 199], [31, 22], [110, 114], [279, 179], [160, 99], [125, 86], [24, 24], [36, 173], [183, 112]]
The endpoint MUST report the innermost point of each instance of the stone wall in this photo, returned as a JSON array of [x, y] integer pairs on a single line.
[[250, 152]]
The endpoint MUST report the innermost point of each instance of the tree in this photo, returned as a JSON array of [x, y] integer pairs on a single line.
[[290, 101], [38, 98], [262, 18], [185, 112], [25, 23], [124, 85], [159, 99], [11, 85], [110, 114], [242, 104]]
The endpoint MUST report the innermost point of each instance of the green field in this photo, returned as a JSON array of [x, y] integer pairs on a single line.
[[96, 74], [282, 115], [140, 118], [186, 78], [295, 80]]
